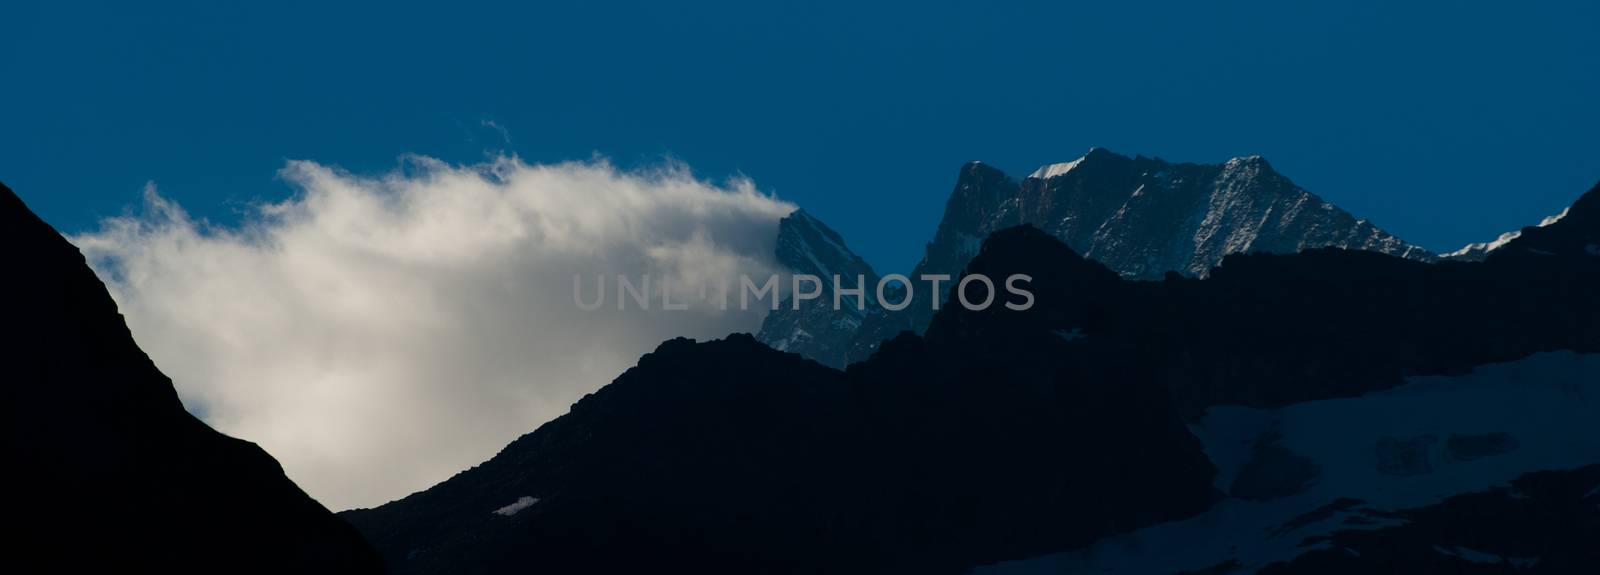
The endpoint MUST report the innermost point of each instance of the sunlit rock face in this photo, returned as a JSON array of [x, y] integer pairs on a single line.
[[1141, 217]]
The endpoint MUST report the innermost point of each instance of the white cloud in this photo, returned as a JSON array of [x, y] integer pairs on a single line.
[[378, 334]]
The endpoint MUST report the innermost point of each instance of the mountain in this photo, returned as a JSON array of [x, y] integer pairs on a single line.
[[1249, 408], [815, 329], [1573, 237], [730, 457], [1142, 217], [106, 469], [1479, 251]]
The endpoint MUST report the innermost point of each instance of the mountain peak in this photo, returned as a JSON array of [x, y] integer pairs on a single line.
[[1141, 217], [978, 170], [799, 219], [1253, 160], [808, 246]]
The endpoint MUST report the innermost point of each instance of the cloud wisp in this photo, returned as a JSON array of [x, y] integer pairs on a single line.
[[378, 334]]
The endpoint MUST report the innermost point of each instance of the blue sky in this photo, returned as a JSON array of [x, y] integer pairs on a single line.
[[1442, 122]]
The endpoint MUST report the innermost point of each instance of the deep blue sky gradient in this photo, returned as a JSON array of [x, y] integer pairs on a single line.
[[1443, 122]]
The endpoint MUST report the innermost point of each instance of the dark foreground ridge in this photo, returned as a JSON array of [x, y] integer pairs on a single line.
[[730, 457], [997, 435], [105, 467]]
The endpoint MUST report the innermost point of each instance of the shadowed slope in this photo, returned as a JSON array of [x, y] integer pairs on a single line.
[[105, 465]]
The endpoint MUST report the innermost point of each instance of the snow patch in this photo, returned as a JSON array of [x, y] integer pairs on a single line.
[[1505, 238], [520, 504], [1549, 403], [1053, 170], [1486, 247], [1555, 218]]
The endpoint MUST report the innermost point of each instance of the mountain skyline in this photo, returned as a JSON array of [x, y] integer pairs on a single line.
[[1142, 217], [1241, 288], [1444, 123], [628, 464], [325, 237], [1333, 391]]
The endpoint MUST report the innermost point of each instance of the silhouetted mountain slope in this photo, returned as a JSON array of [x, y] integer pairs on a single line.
[[1000, 434], [105, 468], [1267, 330], [730, 457]]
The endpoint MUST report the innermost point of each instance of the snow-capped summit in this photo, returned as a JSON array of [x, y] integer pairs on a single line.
[[1053, 170], [1142, 217], [1048, 171]]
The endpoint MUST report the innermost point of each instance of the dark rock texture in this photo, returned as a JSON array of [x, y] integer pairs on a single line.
[[106, 469]]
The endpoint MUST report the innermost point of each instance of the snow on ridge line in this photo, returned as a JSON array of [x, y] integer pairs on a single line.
[[1555, 218], [1486, 247], [1053, 170], [1236, 160], [1505, 238]]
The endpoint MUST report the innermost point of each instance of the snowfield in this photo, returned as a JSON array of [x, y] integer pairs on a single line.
[[1302, 470]]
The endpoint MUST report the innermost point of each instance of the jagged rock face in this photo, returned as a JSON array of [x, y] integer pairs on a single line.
[[107, 469], [817, 330], [1141, 217]]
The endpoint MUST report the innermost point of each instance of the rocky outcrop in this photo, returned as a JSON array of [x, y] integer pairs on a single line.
[[816, 328], [107, 470]]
